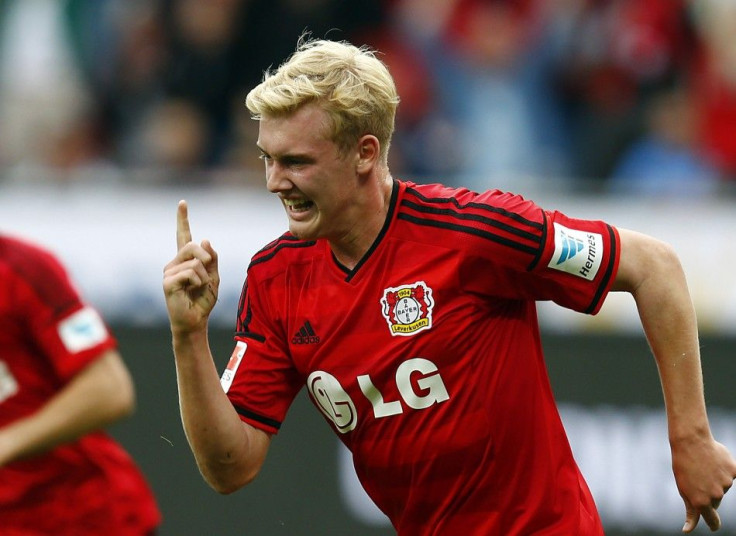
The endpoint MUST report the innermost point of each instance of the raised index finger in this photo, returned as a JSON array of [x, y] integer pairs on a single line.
[[183, 234]]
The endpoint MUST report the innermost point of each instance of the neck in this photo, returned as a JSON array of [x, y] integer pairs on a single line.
[[354, 244]]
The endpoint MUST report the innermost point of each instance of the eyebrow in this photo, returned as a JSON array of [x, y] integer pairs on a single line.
[[292, 156]]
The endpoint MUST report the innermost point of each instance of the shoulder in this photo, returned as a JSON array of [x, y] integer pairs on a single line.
[[31, 269], [460, 199], [27, 258], [282, 252], [463, 210]]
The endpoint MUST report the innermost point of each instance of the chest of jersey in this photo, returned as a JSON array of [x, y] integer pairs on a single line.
[[402, 335]]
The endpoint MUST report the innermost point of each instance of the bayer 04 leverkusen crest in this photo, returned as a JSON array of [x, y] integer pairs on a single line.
[[408, 308]]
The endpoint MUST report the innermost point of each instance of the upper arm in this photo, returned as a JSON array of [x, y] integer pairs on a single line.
[[103, 391], [113, 378]]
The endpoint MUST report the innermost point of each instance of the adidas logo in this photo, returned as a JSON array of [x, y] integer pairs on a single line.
[[305, 335], [570, 247]]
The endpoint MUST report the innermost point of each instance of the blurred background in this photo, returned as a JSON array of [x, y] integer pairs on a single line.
[[622, 110]]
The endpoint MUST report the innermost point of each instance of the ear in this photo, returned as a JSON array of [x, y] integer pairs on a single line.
[[369, 153]]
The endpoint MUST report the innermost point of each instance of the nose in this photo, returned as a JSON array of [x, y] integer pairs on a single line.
[[276, 177]]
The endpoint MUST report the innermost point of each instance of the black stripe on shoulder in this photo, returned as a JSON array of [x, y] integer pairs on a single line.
[[480, 206], [258, 418], [469, 230], [286, 237], [609, 272], [468, 216], [250, 335], [278, 245]]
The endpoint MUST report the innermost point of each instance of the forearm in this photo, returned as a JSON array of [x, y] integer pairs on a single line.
[[99, 395], [222, 444], [703, 468], [669, 321]]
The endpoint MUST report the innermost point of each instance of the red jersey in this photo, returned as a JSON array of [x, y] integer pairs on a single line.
[[426, 358], [87, 487]]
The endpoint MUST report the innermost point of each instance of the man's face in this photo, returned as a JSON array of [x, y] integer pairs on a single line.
[[315, 183]]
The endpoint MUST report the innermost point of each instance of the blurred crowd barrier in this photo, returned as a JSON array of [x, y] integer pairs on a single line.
[[117, 237]]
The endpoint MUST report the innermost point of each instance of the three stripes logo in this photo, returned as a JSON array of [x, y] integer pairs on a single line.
[[305, 335], [570, 247]]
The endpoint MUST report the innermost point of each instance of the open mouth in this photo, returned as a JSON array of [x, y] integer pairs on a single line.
[[297, 205]]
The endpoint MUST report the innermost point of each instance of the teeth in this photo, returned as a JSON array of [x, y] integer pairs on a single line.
[[293, 203]]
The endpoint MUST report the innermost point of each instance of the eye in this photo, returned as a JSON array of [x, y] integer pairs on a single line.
[[293, 161]]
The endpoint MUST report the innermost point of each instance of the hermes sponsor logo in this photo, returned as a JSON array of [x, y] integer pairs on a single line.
[[577, 252]]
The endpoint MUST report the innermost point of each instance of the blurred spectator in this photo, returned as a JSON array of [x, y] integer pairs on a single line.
[[43, 96], [205, 63], [714, 78], [175, 135], [618, 53], [424, 137], [667, 160], [128, 78], [488, 69], [242, 154]]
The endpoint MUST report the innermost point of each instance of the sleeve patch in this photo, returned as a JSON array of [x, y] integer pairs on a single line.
[[82, 330], [577, 252], [226, 380]]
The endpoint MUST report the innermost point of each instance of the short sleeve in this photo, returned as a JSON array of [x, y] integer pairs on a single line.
[[260, 379], [68, 331]]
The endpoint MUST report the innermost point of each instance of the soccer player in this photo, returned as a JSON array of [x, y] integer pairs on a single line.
[[62, 380], [408, 312]]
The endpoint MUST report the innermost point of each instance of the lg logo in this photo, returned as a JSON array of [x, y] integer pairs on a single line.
[[332, 399], [337, 405], [8, 383]]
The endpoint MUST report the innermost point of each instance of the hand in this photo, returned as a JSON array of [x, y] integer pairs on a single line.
[[191, 279], [704, 471]]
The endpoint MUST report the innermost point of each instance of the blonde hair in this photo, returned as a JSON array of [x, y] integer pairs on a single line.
[[349, 83]]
